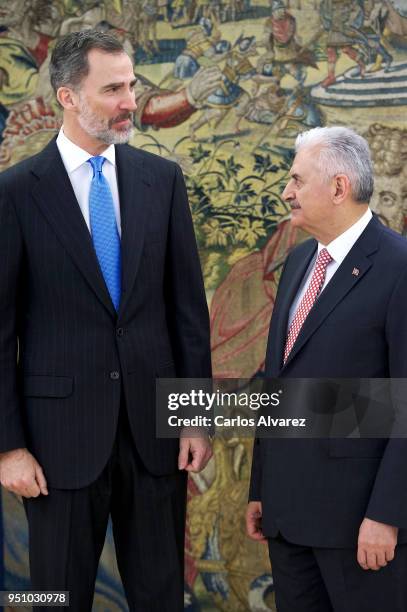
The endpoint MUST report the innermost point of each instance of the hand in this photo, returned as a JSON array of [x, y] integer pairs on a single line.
[[21, 473], [203, 84], [194, 453], [376, 544], [254, 514]]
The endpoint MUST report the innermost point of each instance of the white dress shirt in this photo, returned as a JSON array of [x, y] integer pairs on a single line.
[[80, 174], [338, 249]]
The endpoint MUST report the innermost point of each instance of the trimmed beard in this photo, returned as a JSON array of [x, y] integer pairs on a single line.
[[101, 128]]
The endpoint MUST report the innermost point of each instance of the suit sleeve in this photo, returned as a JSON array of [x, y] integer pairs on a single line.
[[388, 500], [255, 477], [187, 309], [11, 427]]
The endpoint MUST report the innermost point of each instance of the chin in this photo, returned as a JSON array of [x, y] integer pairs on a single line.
[[295, 219], [116, 136], [123, 137]]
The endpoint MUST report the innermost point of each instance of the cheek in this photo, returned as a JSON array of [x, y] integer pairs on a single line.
[[109, 107], [304, 198], [104, 106]]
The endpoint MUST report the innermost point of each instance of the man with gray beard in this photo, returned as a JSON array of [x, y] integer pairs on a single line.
[[100, 293]]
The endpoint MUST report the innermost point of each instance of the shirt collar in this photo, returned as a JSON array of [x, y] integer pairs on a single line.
[[73, 156], [340, 247]]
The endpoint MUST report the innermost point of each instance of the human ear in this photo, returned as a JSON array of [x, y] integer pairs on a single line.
[[341, 188], [67, 98]]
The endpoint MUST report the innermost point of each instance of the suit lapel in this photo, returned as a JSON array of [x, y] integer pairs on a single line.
[[55, 197], [349, 274], [135, 195]]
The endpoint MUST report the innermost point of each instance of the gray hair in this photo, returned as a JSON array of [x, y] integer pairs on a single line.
[[69, 59], [342, 151]]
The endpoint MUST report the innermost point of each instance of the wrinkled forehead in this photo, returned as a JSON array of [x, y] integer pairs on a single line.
[[109, 67], [306, 161]]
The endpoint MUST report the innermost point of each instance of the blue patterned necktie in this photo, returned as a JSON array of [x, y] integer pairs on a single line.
[[105, 235]]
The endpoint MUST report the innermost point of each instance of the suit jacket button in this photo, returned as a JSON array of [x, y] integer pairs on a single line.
[[115, 375], [119, 331]]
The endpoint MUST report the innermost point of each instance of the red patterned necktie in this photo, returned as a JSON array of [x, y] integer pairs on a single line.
[[308, 300]]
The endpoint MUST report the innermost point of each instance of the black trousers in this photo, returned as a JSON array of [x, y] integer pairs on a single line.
[[67, 530], [310, 579]]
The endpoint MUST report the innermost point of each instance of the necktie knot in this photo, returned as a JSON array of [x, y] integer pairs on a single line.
[[97, 163], [323, 259]]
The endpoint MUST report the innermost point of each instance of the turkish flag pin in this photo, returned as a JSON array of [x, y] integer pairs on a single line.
[[355, 272]]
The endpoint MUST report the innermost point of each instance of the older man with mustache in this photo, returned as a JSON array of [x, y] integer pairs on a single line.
[[334, 512]]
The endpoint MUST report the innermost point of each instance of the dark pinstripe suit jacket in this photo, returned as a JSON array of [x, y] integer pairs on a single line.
[[77, 358]]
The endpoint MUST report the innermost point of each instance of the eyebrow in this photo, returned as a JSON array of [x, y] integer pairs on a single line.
[[295, 175], [109, 85]]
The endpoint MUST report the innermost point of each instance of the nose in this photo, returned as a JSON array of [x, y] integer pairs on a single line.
[[288, 193], [129, 101]]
